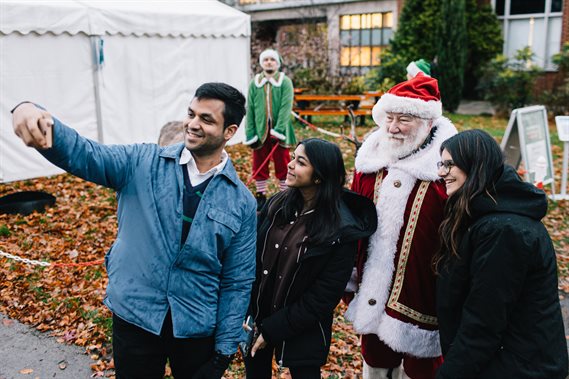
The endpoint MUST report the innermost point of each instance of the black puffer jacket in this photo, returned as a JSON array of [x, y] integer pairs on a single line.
[[498, 305], [301, 330]]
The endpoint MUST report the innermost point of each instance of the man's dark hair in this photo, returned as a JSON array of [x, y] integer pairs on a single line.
[[233, 99]]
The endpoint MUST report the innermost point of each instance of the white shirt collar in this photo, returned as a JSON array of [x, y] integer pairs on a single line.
[[197, 177]]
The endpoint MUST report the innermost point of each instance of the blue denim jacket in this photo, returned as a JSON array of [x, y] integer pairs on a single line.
[[206, 282]]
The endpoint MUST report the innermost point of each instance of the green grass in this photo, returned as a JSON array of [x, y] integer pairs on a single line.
[[72, 302], [494, 126], [41, 294], [4, 231], [94, 275]]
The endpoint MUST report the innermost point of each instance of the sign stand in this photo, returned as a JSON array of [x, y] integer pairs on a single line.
[[562, 123], [527, 139]]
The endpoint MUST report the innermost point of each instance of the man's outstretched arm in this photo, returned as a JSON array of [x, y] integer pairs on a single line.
[[110, 166]]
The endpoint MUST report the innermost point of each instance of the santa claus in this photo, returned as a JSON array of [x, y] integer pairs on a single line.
[[394, 302]]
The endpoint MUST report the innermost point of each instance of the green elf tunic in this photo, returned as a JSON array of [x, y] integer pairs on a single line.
[[273, 97]]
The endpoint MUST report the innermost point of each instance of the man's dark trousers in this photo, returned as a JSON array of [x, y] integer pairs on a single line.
[[139, 354]]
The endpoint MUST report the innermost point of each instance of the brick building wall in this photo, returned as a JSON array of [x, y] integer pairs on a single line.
[[565, 28], [400, 4]]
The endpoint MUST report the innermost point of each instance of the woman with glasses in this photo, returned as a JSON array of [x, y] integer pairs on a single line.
[[497, 301], [306, 245]]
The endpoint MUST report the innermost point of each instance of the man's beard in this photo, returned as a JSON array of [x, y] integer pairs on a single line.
[[269, 71], [396, 146]]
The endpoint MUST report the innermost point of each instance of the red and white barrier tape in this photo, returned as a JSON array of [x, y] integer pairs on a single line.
[[48, 264], [316, 128]]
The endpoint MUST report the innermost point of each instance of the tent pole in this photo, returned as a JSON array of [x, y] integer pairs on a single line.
[[96, 47]]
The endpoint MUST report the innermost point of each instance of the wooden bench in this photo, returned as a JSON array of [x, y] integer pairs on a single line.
[[309, 105], [331, 112]]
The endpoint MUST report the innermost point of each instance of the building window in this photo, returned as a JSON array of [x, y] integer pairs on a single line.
[[362, 38], [533, 23], [528, 6]]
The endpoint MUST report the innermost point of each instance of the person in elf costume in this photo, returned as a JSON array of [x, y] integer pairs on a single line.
[[269, 122], [394, 303]]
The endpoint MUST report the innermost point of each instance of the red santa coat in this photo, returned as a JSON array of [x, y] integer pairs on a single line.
[[396, 295]]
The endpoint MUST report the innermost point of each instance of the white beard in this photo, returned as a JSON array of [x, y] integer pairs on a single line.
[[396, 146]]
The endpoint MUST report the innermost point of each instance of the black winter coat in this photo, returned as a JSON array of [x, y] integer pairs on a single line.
[[301, 330], [498, 305]]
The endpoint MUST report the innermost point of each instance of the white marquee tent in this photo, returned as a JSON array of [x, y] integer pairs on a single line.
[[116, 71]]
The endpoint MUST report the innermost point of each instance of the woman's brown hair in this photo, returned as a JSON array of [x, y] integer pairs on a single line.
[[478, 155]]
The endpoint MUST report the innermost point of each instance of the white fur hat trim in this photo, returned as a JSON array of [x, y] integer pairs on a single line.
[[272, 54], [397, 104]]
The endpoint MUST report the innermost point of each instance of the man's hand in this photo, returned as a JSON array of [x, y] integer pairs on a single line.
[[33, 125], [259, 344], [214, 368]]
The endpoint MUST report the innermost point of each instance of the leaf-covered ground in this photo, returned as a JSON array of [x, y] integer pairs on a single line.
[[67, 301]]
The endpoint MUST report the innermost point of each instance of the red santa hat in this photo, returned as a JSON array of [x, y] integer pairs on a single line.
[[418, 96]]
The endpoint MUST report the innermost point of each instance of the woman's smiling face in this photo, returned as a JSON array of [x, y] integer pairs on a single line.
[[453, 176], [300, 170]]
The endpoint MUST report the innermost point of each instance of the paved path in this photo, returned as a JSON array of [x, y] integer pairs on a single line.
[[475, 107], [23, 349]]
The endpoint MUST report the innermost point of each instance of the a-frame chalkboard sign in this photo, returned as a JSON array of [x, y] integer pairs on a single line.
[[527, 139]]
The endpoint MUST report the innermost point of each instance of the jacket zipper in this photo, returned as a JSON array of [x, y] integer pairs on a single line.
[[322, 331], [262, 259], [288, 291]]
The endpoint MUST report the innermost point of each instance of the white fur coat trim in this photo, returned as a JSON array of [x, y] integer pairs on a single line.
[[380, 264], [280, 136], [422, 164], [261, 80], [251, 141], [408, 338], [399, 104]]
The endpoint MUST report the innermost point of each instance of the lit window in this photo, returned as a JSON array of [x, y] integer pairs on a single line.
[[529, 23], [355, 21], [362, 36], [376, 20]]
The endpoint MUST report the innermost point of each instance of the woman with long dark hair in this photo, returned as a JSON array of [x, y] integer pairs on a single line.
[[307, 239], [497, 301]]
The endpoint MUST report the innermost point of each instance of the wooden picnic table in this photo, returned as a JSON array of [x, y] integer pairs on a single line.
[[321, 97], [334, 104]]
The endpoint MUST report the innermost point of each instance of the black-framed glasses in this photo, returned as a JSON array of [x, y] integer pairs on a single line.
[[448, 164]]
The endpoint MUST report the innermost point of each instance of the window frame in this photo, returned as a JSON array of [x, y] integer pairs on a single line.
[[546, 16], [383, 16]]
